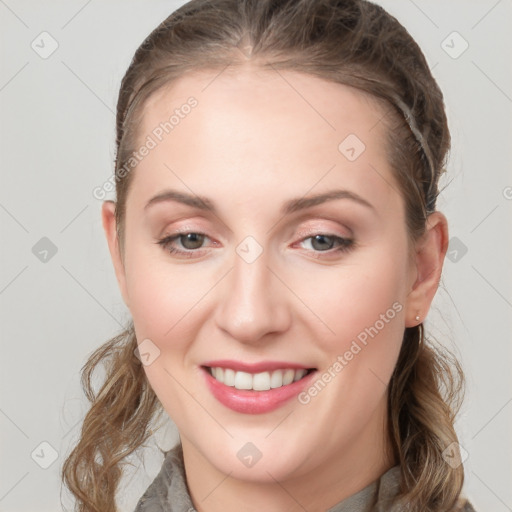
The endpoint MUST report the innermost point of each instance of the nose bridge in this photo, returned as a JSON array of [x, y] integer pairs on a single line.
[[252, 303]]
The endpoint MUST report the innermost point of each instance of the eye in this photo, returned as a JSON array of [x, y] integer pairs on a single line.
[[185, 244], [191, 240], [323, 243]]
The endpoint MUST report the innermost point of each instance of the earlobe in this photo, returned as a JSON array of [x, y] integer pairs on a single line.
[[429, 258], [108, 218]]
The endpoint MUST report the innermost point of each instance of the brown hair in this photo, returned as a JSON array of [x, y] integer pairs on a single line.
[[352, 42]]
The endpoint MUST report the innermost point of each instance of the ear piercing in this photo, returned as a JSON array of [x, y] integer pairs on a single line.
[[417, 317]]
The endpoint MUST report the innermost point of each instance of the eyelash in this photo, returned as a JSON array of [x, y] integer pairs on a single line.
[[345, 244], [189, 253]]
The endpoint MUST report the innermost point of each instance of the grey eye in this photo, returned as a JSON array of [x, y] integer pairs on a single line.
[[322, 242], [192, 240]]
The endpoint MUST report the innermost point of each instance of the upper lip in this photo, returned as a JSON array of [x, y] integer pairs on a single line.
[[259, 367]]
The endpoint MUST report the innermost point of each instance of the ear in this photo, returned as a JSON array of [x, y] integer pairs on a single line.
[[108, 218], [428, 262]]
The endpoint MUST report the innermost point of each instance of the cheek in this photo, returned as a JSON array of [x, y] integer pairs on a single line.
[[165, 304], [364, 304], [375, 315], [162, 297], [360, 298]]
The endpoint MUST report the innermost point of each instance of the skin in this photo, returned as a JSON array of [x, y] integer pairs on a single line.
[[250, 145]]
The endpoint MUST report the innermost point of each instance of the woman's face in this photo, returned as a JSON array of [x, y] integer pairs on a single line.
[[295, 267]]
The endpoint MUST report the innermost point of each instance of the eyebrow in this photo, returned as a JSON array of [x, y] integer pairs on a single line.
[[291, 206], [307, 202], [199, 202]]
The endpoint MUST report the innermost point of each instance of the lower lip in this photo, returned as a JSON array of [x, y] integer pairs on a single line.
[[255, 402]]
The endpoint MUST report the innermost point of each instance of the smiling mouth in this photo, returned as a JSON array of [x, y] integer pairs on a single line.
[[262, 381]]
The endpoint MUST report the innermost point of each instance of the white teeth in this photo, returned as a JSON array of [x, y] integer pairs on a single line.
[[288, 376], [299, 374], [259, 381], [243, 380], [229, 377], [276, 381]]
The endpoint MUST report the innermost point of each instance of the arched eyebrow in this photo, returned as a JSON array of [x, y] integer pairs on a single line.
[[290, 206], [294, 205], [202, 203]]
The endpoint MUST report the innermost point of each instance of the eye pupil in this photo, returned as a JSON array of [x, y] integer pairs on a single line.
[[322, 242], [192, 240]]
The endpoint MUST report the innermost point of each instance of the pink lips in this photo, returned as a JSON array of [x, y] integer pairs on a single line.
[[250, 401], [263, 366]]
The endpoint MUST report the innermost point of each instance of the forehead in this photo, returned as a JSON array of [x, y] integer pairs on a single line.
[[323, 105], [253, 128]]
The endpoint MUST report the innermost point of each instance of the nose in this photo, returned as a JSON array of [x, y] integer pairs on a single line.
[[253, 302]]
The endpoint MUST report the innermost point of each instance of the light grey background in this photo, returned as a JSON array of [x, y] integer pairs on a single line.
[[57, 144]]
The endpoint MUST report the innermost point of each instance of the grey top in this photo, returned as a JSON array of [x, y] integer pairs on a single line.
[[169, 492]]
